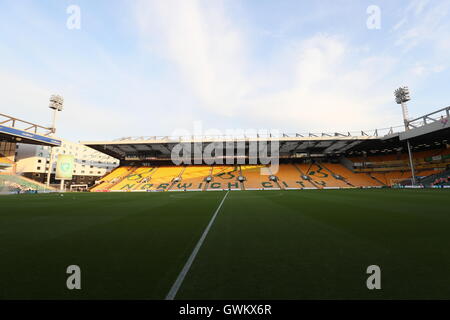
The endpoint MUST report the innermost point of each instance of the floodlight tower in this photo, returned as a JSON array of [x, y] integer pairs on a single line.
[[401, 97], [56, 103]]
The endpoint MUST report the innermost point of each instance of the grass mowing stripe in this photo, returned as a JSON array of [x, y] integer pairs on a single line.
[[177, 284]]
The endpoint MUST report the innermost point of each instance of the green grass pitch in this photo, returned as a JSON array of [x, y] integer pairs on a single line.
[[313, 244]]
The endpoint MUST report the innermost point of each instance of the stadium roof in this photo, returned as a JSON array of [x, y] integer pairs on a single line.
[[16, 130]]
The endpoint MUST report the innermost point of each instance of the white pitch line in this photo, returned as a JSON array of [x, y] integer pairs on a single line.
[[177, 284]]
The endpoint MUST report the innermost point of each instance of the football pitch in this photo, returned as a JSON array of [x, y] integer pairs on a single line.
[[309, 244]]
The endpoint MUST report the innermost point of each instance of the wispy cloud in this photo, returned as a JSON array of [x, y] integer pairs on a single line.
[[312, 83], [154, 66], [427, 24]]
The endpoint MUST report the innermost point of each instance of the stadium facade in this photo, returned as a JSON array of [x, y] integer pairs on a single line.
[[33, 161]]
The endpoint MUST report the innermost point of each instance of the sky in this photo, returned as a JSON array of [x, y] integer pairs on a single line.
[[155, 68]]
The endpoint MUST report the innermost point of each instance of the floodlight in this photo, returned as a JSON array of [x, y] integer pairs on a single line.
[[402, 95], [56, 102]]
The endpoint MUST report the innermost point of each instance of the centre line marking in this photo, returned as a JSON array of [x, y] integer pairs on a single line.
[[177, 284]]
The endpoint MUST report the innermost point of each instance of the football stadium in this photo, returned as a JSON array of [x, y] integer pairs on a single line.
[[250, 215], [305, 229]]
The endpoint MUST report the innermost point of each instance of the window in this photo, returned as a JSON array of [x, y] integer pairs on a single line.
[[39, 160], [38, 168]]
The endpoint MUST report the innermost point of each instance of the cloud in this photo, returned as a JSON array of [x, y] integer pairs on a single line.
[[399, 24], [184, 61], [108, 94], [29, 101], [423, 69], [206, 47], [427, 24], [316, 83]]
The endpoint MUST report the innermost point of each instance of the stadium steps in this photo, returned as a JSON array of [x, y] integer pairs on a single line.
[[333, 174], [428, 181], [277, 182], [279, 185], [22, 182], [149, 177], [307, 181], [39, 184], [130, 172], [173, 182], [321, 176], [103, 177], [105, 182], [241, 183], [377, 180], [394, 177], [91, 188], [6, 163], [206, 185], [289, 177]]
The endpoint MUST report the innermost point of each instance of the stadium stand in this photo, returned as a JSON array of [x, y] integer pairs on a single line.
[[202, 177], [257, 178], [148, 178], [135, 179], [422, 160], [111, 179], [322, 177], [163, 178], [193, 178], [15, 183], [224, 178], [353, 172], [5, 162], [290, 177], [7, 155], [141, 177], [354, 179], [437, 179], [391, 178]]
